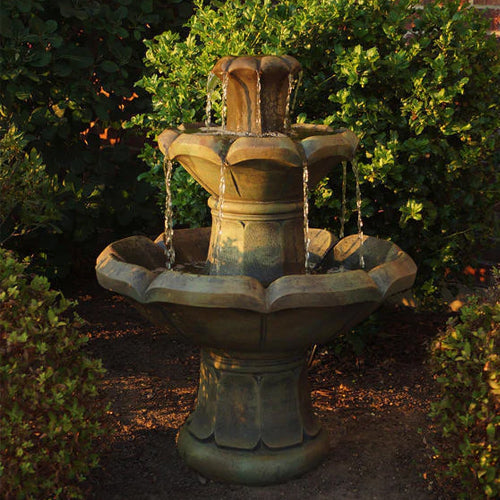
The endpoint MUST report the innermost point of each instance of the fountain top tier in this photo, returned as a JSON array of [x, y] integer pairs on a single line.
[[263, 154], [257, 90]]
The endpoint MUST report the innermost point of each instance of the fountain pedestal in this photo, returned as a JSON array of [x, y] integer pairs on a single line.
[[253, 421]]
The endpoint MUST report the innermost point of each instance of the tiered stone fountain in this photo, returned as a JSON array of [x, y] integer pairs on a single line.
[[256, 311]]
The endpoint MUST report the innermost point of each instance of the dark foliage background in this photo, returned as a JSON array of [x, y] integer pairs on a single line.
[[67, 74]]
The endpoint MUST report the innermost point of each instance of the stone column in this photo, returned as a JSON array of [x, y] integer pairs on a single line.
[[262, 240]]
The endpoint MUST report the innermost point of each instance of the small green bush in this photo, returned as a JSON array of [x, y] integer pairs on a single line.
[[50, 411], [466, 361], [28, 200], [418, 86]]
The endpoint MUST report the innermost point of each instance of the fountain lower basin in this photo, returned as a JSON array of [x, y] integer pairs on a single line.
[[292, 313], [253, 421]]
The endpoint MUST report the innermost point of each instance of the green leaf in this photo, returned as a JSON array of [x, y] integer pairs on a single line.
[[23, 94], [147, 6], [62, 69], [41, 59], [109, 66], [50, 26], [490, 432], [467, 349], [24, 5], [78, 57]]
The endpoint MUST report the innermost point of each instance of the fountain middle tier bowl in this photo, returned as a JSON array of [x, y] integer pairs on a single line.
[[237, 313], [260, 168]]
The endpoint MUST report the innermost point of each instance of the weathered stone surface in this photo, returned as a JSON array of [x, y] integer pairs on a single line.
[[282, 424], [388, 266], [191, 245], [127, 266], [238, 248], [263, 169], [244, 402]]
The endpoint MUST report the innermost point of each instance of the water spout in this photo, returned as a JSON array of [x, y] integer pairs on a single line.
[[307, 238], [225, 83], [355, 169], [211, 82], [258, 110], [168, 234]]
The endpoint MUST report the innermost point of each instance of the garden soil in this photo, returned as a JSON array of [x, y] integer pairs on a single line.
[[374, 407]]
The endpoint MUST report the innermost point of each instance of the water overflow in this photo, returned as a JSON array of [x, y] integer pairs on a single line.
[[307, 238], [168, 234], [220, 214], [355, 169]]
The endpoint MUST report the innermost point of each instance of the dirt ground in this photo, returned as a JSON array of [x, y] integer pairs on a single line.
[[374, 408]]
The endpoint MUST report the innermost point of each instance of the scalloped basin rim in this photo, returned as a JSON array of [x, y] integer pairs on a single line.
[[236, 149], [242, 292]]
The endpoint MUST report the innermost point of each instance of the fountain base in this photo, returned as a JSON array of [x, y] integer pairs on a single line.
[[253, 423], [260, 467]]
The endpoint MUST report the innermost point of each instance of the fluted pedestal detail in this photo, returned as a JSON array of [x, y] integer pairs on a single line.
[[253, 421]]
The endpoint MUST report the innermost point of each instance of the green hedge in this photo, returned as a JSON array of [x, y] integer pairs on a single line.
[[419, 87], [50, 411], [466, 363]]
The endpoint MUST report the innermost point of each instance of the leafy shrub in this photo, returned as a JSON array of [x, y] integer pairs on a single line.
[[466, 360], [50, 412], [28, 194], [67, 73], [417, 86]]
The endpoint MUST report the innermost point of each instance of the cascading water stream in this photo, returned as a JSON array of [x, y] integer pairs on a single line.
[[307, 238], [297, 83], [355, 170], [287, 121], [168, 234], [211, 82], [225, 83], [258, 111], [293, 84], [344, 201]]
